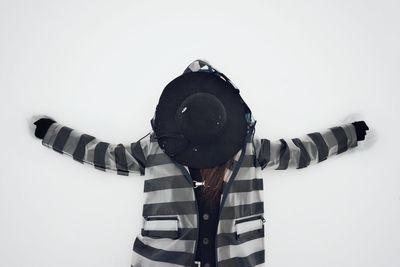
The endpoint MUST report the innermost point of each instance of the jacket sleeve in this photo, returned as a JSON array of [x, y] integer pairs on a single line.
[[123, 159], [300, 152]]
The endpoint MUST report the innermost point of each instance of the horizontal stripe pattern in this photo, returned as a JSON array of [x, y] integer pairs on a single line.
[[51, 134], [168, 169], [341, 138], [247, 173], [117, 158], [225, 239], [120, 160], [284, 155], [321, 145], [250, 260], [304, 158], [183, 234], [244, 198], [181, 244], [233, 212], [79, 152], [301, 152], [168, 182], [242, 250], [168, 192], [169, 208], [164, 182], [61, 139], [138, 260], [100, 151], [246, 185], [227, 225], [161, 255], [188, 221], [169, 195], [351, 135]]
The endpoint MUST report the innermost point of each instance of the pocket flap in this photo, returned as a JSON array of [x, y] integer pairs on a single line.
[[161, 226], [245, 225]]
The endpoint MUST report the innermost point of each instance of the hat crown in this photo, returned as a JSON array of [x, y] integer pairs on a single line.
[[201, 117]]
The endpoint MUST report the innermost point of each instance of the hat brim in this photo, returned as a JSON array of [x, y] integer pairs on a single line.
[[200, 155]]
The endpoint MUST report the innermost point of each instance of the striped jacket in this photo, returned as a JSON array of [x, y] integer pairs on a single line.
[[170, 219]]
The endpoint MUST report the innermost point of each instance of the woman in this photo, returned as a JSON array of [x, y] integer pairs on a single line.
[[203, 191]]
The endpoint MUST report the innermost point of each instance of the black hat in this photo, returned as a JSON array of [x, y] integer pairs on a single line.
[[200, 120]]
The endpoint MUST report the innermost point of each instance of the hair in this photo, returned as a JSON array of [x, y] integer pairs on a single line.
[[213, 180]]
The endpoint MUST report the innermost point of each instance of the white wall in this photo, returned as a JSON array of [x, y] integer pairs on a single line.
[[100, 67]]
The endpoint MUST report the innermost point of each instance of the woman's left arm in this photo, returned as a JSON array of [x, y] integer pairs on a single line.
[[311, 148]]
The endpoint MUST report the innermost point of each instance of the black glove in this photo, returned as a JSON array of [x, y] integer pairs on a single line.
[[42, 125], [361, 128]]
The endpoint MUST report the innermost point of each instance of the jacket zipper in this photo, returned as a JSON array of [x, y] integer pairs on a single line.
[[190, 179]]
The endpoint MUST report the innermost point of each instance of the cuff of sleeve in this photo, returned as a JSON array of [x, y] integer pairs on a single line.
[[50, 136], [353, 133]]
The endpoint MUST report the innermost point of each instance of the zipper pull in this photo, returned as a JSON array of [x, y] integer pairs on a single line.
[[263, 219], [197, 184]]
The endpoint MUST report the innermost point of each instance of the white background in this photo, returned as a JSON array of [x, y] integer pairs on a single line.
[[100, 66]]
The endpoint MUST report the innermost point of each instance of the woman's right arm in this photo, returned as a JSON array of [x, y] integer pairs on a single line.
[[118, 158]]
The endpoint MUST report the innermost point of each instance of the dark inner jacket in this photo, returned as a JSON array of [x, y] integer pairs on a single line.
[[208, 223]]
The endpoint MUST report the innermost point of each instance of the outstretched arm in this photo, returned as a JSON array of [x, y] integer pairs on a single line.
[[119, 158], [311, 148]]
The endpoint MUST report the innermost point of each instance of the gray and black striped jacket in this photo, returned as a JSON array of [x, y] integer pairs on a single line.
[[170, 216]]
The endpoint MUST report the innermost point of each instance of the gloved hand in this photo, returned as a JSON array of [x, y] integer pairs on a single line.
[[361, 128], [42, 125]]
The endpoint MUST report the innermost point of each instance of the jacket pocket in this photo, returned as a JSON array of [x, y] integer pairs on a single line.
[[161, 226], [249, 227]]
